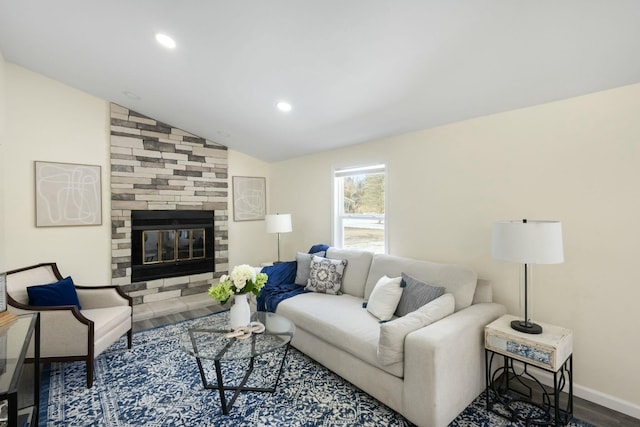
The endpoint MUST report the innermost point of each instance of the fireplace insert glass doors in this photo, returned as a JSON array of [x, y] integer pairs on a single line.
[[171, 243]]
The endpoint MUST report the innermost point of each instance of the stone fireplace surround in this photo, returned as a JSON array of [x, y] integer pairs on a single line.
[[155, 166]]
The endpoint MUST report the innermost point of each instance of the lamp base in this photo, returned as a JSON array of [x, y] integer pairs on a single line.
[[526, 327]]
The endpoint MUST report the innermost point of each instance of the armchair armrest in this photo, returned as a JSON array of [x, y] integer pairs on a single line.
[[62, 330], [445, 360], [102, 296]]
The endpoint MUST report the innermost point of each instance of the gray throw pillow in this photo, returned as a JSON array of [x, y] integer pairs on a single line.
[[416, 294], [303, 267], [326, 275]]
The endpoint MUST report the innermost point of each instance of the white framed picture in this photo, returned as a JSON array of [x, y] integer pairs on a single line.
[[67, 194], [249, 198]]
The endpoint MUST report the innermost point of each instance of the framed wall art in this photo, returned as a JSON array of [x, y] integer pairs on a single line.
[[249, 198], [67, 194]]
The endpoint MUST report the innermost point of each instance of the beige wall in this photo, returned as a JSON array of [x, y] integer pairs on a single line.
[[3, 263], [248, 241], [46, 120], [577, 161]]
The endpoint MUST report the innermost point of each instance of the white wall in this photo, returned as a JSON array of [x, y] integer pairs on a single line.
[[577, 161], [3, 263], [248, 241], [46, 120]]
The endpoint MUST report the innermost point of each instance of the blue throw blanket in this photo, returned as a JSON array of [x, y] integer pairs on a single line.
[[280, 285], [281, 282]]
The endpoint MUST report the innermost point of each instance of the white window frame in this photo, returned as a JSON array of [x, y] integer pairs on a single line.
[[338, 197]]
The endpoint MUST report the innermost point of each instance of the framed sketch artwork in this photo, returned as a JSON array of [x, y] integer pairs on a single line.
[[249, 198], [67, 194]]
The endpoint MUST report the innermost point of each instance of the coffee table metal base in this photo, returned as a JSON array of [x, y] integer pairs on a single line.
[[219, 384]]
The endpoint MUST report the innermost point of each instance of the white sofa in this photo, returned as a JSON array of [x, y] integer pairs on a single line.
[[443, 367]]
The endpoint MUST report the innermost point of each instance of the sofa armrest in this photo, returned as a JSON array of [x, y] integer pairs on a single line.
[[102, 296], [445, 362], [483, 293]]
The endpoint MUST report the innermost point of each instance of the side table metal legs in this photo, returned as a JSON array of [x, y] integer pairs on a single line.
[[219, 384], [514, 389]]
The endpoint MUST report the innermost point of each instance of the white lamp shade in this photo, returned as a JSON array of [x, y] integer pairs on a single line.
[[279, 223], [531, 242]]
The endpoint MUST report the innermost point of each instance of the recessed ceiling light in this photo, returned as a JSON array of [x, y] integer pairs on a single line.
[[131, 95], [284, 106], [165, 41]]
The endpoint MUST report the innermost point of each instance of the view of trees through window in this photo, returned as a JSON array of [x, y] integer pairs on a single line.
[[364, 194], [361, 213]]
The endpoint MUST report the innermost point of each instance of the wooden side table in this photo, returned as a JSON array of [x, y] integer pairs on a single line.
[[512, 389]]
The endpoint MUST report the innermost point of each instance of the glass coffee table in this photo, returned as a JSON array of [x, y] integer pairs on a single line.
[[210, 341]]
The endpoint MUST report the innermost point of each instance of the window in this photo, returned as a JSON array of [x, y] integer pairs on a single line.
[[359, 208]]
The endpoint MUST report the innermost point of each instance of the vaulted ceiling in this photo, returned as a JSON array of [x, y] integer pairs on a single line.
[[353, 71]]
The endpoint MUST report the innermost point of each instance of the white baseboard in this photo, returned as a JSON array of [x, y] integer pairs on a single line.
[[595, 396], [607, 401]]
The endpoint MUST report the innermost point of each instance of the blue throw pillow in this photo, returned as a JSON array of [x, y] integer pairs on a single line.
[[60, 293], [318, 248]]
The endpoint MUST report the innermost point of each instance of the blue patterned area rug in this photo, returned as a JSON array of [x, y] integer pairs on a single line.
[[157, 384]]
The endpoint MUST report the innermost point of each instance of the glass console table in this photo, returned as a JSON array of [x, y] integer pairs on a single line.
[[15, 338]]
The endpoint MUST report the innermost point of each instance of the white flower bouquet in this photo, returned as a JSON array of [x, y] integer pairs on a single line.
[[243, 279]]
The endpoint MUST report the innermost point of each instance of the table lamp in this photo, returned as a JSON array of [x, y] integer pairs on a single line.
[[527, 242], [278, 223]]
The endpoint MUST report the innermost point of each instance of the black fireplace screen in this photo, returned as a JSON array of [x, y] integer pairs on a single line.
[[171, 243]]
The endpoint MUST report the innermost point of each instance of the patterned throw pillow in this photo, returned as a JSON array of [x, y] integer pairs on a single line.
[[326, 275]]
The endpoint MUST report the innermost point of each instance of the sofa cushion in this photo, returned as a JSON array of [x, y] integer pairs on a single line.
[[415, 294], [340, 321], [62, 292], [393, 333], [326, 275], [457, 280], [385, 297], [356, 274]]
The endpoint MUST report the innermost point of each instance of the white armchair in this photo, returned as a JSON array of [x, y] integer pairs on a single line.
[[67, 333]]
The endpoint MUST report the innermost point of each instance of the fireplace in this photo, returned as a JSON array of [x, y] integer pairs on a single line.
[[171, 243]]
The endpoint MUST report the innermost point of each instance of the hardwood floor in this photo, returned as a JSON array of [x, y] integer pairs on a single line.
[[174, 318]]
